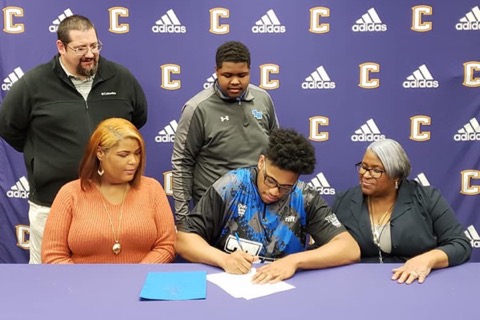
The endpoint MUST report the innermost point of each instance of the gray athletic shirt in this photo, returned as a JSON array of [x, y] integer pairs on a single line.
[[215, 135]]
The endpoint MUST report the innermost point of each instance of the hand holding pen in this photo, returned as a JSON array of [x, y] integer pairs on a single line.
[[239, 262], [257, 258], [238, 241]]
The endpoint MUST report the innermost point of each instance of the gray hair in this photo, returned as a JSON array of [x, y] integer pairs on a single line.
[[393, 157]]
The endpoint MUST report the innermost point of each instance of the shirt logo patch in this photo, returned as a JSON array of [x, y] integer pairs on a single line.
[[241, 209], [257, 114], [332, 218]]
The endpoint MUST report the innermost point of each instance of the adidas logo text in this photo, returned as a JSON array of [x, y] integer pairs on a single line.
[[469, 132], [368, 132], [420, 79], [321, 185], [21, 189], [269, 23], [471, 21], [210, 81], [54, 27], [169, 23], [318, 79], [12, 78], [168, 133], [472, 234], [369, 137], [369, 22]]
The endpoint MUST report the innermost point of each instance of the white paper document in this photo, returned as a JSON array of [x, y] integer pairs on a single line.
[[241, 286]]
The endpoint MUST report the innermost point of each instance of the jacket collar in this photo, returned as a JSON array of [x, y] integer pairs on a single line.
[[402, 205], [357, 212], [245, 96], [404, 199], [104, 72]]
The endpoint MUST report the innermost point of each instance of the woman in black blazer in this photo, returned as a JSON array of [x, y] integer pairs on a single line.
[[397, 220]]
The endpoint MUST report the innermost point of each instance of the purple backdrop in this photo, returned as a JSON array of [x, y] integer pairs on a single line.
[[344, 73]]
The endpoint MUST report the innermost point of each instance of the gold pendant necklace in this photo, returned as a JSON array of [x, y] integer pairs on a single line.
[[117, 247]]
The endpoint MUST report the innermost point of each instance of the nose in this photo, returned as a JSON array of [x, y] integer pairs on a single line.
[[274, 191], [133, 159], [89, 53], [235, 80], [369, 174]]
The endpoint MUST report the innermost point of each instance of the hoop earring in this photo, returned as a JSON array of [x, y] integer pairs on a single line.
[[396, 185], [100, 171]]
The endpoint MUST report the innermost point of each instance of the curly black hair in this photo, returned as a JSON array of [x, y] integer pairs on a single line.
[[289, 150], [232, 51]]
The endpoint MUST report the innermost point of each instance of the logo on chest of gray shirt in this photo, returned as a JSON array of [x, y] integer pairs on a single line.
[[257, 114]]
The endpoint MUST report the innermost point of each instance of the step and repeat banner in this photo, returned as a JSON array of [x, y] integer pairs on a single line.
[[344, 73]]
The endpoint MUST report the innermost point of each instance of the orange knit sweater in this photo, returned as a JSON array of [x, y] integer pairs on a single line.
[[78, 229]]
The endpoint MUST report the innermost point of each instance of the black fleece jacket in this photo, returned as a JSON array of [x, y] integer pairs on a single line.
[[46, 118]]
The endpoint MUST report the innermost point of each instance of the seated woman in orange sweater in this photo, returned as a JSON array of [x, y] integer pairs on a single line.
[[112, 214]]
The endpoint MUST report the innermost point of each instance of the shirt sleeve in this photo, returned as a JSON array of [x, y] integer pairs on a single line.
[[188, 142], [322, 223], [208, 217], [55, 236], [449, 232], [274, 124], [15, 113], [163, 251], [140, 108]]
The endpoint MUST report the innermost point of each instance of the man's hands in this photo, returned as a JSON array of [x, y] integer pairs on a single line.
[[238, 262], [276, 271]]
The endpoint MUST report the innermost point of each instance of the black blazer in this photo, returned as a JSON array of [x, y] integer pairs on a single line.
[[421, 221]]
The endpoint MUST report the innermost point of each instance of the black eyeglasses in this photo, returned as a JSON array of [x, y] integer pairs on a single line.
[[374, 172], [272, 183], [83, 50]]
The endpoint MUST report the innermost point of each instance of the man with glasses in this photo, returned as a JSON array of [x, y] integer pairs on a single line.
[[266, 213], [51, 111]]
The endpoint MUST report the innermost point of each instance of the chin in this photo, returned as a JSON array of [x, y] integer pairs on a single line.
[[269, 200], [127, 179], [367, 191]]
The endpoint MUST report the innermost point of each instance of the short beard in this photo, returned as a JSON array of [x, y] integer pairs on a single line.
[[88, 72]]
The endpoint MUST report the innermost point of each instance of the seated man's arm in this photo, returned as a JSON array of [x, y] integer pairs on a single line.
[[194, 248], [199, 229], [341, 249], [334, 245]]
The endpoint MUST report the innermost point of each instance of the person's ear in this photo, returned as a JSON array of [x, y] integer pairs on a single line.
[[261, 161], [100, 154], [61, 47]]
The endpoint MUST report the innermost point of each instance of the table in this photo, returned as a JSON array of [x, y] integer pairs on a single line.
[[359, 291]]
